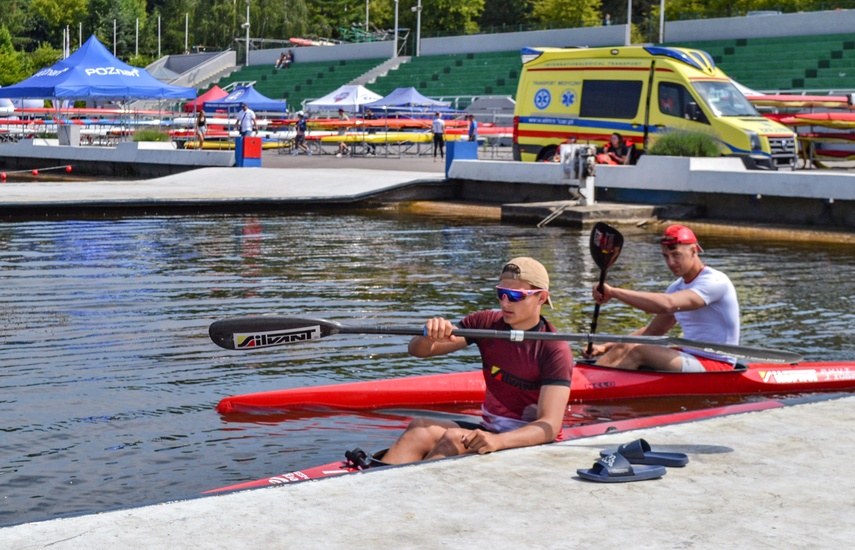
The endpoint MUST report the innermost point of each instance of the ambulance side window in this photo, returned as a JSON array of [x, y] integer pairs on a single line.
[[610, 99], [675, 100]]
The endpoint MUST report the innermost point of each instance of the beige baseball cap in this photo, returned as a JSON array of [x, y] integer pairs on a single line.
[[529, 271]]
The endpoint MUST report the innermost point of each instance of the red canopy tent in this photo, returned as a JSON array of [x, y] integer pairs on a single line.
[[213, 94]]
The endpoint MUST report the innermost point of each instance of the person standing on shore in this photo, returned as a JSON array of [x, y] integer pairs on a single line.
[[246, 121], [370, 148], [300, 137], [201, 127], [473, 128], [438, 129], [343, 149]]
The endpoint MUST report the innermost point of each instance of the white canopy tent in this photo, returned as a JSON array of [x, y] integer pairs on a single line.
[[348, 97]]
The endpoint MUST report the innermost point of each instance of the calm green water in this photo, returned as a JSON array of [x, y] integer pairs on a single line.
[[109, 381]]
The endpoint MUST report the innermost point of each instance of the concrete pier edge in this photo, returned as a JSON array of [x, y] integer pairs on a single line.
[[775, 478]]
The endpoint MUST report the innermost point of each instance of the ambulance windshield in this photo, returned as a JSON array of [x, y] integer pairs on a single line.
[[724, 99]]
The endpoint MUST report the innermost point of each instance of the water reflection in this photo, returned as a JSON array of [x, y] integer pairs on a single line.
[[109, 381]]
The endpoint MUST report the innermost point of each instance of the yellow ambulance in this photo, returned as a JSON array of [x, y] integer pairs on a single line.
[[639, 92]]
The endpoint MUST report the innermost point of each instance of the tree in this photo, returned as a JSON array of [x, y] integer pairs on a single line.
[[451, 16], [697, 9], [14, 67], [506, 13], [126, 13], [172, 25], [55, 15], [438, 16], [44, 56], [581, 13], [17, 17]]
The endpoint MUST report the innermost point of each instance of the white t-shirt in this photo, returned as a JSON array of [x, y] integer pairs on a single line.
[[437, 126], [718, 322], [246, 120]]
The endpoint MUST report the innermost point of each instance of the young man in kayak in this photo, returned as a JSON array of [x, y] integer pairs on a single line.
[[528, 382], [702, 300]]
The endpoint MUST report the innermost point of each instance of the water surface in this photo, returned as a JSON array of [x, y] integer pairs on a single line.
[[109, 381]]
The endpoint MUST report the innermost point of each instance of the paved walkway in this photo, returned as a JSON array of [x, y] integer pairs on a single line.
[[215, 184], [282, 178], [780, 478]]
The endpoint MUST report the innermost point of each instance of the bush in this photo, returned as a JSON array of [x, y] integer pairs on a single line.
[[150, 134], [679, 143]]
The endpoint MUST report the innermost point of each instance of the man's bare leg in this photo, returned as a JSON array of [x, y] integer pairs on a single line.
[[418, 440], [633, 356]]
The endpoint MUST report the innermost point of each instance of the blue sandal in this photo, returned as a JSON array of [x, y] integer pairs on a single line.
[[614, 468], [639, 452]]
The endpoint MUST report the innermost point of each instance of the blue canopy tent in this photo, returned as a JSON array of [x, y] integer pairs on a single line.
[[408, 100], [93, 72], [246, 94]]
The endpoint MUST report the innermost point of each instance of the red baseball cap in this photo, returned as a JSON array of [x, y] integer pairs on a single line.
[[680, 234]]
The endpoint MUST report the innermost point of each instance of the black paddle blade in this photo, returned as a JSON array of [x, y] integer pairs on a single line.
[[606, 243], [247, 333]]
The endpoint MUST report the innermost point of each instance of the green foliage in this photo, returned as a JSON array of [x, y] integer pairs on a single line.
[[680, 143], [59, 13], [506, 13], [6, 40], [150, 134], [14, 67], [704, 9], [585, 13], [216, 24], [44, 56], [453, 14], [438, 16], [141, 60]]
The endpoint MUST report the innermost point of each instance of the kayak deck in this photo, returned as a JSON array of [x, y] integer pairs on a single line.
[[590, 383]]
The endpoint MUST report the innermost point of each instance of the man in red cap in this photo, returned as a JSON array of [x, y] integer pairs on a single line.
[[702, 300], [528, 381]]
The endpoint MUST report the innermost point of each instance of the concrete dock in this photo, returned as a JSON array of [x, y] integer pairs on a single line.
[[288, 183], [779, 478], [213, 187]]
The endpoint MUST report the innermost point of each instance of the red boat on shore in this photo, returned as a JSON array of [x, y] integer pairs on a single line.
[[590, 383]]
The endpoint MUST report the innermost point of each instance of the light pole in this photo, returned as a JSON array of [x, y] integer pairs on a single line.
[[395, 51], [418, 10], [661, 21], [366, 15], [628, 37], [246, 26]]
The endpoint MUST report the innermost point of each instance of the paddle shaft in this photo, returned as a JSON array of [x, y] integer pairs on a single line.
[[596, 310], [243, 333]]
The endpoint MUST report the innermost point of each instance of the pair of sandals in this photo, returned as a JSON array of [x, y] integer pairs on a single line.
[[617, 467]]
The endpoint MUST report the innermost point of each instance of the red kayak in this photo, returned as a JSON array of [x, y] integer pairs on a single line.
[[574, 432], [590, 383]]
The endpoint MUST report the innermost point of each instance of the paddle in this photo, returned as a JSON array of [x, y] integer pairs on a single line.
[[606, 242], [264, 331]]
